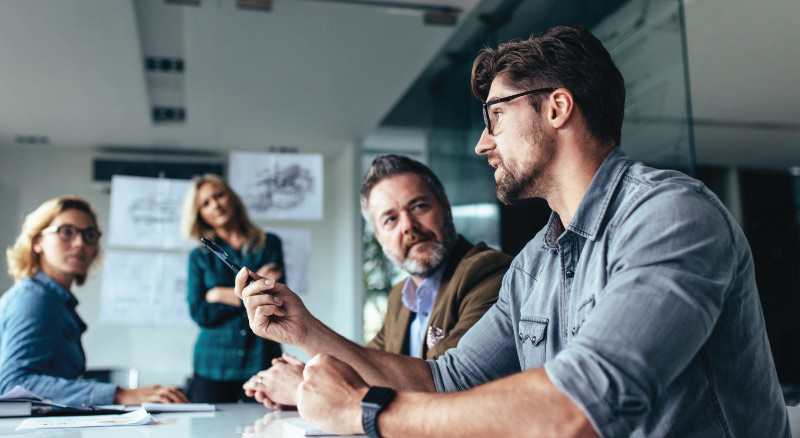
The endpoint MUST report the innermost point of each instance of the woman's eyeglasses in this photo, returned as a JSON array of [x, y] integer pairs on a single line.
[[90, 235]]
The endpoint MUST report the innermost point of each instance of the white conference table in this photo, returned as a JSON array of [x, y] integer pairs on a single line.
[[244, 420], [249, 420]]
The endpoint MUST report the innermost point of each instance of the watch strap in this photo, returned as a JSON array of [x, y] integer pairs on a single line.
[[376, 399], [369, 419]]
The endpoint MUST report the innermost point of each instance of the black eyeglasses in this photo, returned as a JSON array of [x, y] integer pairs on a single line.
[[487, 118], [90, 235]]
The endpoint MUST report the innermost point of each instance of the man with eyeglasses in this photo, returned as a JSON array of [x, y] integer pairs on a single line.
[[633, 312]]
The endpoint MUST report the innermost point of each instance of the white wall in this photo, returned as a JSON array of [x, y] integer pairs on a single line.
[[31, 175]]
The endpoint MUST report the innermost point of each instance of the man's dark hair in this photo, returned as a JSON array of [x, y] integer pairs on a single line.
[[386, 166], [564, 56]]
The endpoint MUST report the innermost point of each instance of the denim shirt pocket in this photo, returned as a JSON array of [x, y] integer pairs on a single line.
[[532, 332], [580, 316]]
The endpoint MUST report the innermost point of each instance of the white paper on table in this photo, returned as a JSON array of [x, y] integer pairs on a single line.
[[179, 407], [135, 418], [20, 393], [278, 186]]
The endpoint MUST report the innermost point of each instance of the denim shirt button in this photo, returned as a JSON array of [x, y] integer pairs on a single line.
[[570, 273]]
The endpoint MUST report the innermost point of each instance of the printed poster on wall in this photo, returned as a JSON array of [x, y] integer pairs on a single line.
[[146, 212], [278, 186], [143, 288]]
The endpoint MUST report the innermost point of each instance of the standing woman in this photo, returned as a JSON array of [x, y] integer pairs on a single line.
[[227, 352], [40, 331]]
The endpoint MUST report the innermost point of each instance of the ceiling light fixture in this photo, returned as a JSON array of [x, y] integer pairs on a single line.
[[432, 14]]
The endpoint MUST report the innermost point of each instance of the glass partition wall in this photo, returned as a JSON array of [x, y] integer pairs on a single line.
[[645, 38]]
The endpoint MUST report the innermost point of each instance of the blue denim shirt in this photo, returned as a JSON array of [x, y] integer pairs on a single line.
[[40, 344], [644, 311]]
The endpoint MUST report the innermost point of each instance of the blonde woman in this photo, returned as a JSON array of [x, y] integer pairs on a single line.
[[40, 331], [227, 352]]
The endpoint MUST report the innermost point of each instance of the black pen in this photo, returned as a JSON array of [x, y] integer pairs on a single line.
[[219, 252]]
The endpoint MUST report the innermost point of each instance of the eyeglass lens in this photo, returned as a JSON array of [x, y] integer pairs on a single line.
[[486, 122], [68, 232]]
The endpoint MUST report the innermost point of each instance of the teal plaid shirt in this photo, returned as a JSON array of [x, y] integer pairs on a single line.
[[226, 349]]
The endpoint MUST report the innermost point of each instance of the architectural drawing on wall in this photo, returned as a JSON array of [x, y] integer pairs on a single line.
[[296, 253], [143, 288], [146, 212], [278, 186]]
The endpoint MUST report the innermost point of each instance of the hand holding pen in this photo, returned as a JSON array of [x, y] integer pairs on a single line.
[[274, 311]]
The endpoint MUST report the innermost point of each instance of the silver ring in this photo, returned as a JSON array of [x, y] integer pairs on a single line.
[[258, 379]]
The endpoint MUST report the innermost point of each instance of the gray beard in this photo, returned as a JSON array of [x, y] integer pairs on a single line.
[[438, 257]]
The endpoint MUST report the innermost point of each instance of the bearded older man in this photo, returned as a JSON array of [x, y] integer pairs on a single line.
[[451, 282]]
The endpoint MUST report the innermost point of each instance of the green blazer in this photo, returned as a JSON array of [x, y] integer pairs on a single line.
[[469, 287]]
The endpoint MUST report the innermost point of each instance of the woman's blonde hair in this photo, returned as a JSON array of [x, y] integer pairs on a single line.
[[22, 260], [194, 227]]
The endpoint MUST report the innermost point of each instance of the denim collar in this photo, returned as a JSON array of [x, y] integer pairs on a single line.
[[592, 209], [51, 285]]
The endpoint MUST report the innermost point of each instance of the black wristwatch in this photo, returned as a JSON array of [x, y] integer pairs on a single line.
[[376, 399]]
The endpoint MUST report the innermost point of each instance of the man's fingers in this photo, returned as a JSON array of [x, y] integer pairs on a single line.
[[264, 312], [172, 395], [261, 300], [241, 281], [266, 400], [291, 359]]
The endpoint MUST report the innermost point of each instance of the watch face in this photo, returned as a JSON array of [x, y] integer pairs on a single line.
[[377, 396]]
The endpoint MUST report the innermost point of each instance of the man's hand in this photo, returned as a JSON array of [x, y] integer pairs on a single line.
[[330, 395], [270, 271], [276, 387], [149, 394], [274, 311]]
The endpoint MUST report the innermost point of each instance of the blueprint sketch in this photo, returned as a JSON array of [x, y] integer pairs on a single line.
[[146, 212], [144, 288], [296, 253], [278, 186]]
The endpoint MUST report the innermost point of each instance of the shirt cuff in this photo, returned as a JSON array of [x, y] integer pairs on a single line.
[[437, 376], [103, 394], [584, 382]]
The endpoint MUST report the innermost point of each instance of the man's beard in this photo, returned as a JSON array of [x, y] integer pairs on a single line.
[[531, 182], [437, 255]]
